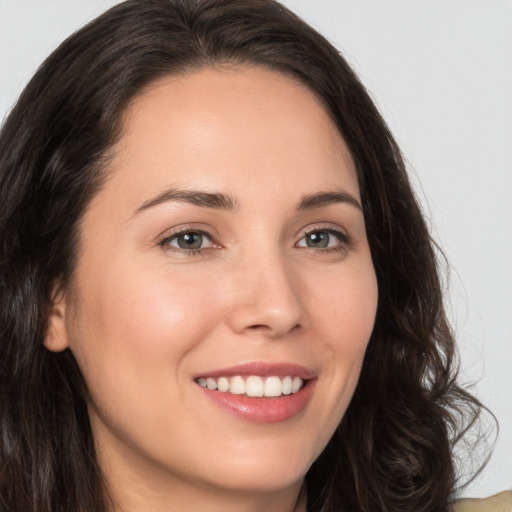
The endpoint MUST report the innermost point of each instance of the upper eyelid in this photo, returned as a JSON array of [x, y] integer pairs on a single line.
[[334, 228], [164, 242], [173, 232]]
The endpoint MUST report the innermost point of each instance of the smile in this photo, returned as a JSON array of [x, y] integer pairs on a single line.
[[259, 392], [254, 385]]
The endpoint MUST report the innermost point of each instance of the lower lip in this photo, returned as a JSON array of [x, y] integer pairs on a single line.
[[263, 410]]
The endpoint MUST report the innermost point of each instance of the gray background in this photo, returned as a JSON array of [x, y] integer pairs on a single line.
[[441, 73]]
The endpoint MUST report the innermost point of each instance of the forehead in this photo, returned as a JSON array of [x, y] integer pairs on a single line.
[[249, 127]]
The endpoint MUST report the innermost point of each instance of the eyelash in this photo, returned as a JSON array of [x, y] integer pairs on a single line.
[[344, 239], [343, 245], [165, 242]]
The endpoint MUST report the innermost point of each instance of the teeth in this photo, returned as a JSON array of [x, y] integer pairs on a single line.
[[296, 384], [254, 385], [237, 386], [287, 385], [273, 386], [223, 384]]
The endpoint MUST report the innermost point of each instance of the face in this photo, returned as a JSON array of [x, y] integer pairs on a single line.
[[227, 250]]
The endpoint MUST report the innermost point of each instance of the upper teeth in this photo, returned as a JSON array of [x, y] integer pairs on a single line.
[[253, 385]]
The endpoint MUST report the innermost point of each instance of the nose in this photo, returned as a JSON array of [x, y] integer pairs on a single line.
[[267, 298]]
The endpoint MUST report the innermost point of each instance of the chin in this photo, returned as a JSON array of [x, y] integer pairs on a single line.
[[262, 468]]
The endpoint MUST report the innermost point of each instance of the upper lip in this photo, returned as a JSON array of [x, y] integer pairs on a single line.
[[262, 369]]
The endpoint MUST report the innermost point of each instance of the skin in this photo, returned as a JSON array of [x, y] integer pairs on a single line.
[[144, 318]]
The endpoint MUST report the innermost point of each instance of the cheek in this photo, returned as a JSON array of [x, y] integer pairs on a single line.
[[344, 317], [345, 305], [132, 338], [138, 321]]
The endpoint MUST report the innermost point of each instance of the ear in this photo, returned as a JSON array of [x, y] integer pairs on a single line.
[[56, 339]]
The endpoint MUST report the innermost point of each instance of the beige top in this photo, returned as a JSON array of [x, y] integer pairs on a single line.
[[501, 502]]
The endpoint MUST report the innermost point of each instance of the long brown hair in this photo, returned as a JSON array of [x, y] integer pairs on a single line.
[[394, 448]]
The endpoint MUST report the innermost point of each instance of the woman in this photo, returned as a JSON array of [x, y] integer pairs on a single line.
[[219, 292]]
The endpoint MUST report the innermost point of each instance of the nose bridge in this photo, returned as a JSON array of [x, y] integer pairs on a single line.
[[268, 293]]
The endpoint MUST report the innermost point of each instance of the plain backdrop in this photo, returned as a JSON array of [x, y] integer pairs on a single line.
[[441, 73]]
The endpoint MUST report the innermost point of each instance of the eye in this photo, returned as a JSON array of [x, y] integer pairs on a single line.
[[323, 239], [188, 241]]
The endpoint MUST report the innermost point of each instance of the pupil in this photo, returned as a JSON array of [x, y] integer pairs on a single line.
[[190, 241], [318, 239]]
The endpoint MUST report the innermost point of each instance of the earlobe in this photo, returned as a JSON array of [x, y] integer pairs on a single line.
[[56, 339]]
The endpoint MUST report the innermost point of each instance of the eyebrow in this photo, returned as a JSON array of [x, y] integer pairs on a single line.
[[220, 201], [325, 198], [195, 197]]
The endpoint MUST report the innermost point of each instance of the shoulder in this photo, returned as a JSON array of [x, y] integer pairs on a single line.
[[501, 502]]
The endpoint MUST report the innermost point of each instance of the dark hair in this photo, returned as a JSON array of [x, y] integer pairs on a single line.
[[394, 447]]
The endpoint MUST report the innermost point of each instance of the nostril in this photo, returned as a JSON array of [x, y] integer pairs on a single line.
[[260, 327], [270, 331]]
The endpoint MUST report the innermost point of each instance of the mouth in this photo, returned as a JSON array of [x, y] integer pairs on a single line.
[[272, 386], [260, 392]]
